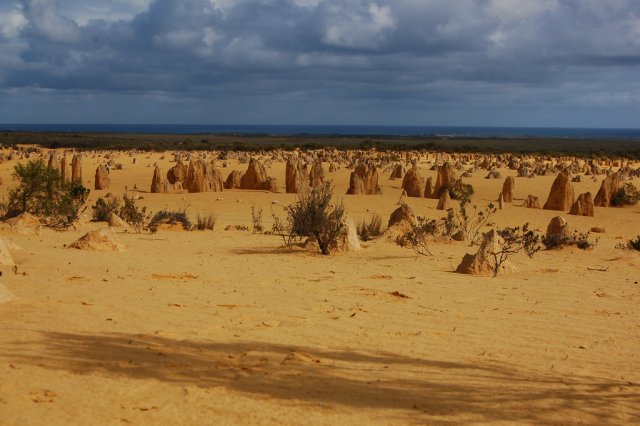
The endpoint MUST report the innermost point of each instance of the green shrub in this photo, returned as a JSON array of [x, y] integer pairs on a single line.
[[579, 239], [420, 235], [457, 190], [514, 240], [628, 195], [555, 240], [461, 191], [631, 244], [583, 242], [169, 218], [42, 192], [134, 215]]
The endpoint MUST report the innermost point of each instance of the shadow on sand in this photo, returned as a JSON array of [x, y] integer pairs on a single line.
[[420, 388]]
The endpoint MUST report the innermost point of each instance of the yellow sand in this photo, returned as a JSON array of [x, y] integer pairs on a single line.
[[228, 327]]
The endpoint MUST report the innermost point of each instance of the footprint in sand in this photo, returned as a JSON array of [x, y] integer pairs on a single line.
[[42, 395], [300, 358]]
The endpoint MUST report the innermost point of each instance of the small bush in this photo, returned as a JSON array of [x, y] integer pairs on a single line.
[[420, 235], [256, 219], [628, 195], [370, 230], [631, 244], [170, 218], [104, 207], [134, 215], [513, 241], [470, 221], [449, 223], [583, 242], [205, 221], [580, 240], [461, 191], [555, 240], [314, 215], [283, 229], [457, 191]]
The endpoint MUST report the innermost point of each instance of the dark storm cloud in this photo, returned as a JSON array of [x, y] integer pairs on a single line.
[[398, 56]]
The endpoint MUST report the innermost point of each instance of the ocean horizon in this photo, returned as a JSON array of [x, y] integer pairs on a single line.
[[334, 130]]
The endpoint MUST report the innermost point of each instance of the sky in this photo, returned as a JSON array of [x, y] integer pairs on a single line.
[[520, 63]]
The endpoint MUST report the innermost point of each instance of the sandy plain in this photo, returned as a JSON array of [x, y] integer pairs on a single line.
[[230, 327]]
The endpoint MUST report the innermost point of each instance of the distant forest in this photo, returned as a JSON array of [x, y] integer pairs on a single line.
[[239, 142]]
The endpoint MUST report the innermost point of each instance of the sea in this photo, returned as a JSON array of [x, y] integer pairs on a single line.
[[334, 130]]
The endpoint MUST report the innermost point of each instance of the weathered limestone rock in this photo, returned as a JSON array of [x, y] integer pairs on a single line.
[[608, 190], [317, 174], [76, 168], [295, 181], [116, 222], [348, 239], [65, 169], [397, 172], [102, 180], [561, 196], [446, 178], [444, 203], [583, 205], [103, 239], [413, 183], [159, 183], [54, 163], [178, 173], [255, 177], [428, 188], [558, 228], [507, 189], [364, 180], [483, 262], [401, 221], [233, 180], [531, 202], [203, 177]]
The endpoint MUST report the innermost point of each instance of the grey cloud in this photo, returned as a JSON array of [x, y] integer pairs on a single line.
[[339, 54]]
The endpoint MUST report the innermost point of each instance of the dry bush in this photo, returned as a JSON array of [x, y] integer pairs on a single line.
[[133, 214], [371, 230], [256, 219], [579, 239], [514, 240], [104, 207], [420, 235], [205, 221], [314, 215], [470, 221], [633, 244], [628, 195]]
